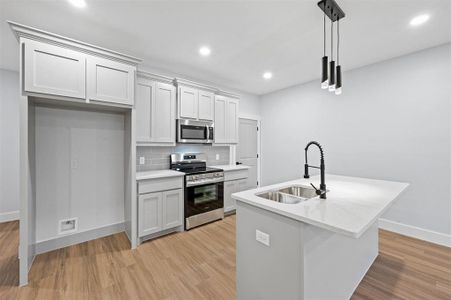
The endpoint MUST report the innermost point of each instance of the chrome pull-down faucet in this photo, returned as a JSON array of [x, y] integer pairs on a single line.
[[322, 187]]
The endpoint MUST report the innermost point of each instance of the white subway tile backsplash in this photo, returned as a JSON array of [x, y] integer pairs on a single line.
[[157, 158]]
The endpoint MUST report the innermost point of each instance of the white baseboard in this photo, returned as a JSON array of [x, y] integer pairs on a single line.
[[9, 216], [77, 238], [416, 232]]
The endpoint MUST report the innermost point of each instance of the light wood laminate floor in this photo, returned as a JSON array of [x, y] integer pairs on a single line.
[[200, 264]]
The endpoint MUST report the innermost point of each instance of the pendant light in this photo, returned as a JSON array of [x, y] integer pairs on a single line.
[[338, 83], [332, 62], [331, 74], [325, 60]]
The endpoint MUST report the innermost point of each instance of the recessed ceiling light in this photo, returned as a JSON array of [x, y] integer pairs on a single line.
[[418, 20], [204, 51], [78, 3], [267, 75]]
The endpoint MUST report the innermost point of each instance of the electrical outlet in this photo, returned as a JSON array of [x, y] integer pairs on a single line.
[[262, 237], [142, 160], [217, 156], [74, 164], [68, 226]]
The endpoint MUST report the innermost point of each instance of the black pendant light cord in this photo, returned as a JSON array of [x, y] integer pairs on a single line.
[[324, 34], [338, 42], [331, 40]]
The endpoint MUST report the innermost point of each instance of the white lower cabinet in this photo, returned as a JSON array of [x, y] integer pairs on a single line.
[[159, 211], [150, 213], [230, 187], [172, 208]]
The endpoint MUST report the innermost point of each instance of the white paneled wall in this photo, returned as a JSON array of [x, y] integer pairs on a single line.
[[79, 169], [9, 145]]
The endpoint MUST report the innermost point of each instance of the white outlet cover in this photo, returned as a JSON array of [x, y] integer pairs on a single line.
[[68, 226], [217, 156], [262, 237], [142, 160]]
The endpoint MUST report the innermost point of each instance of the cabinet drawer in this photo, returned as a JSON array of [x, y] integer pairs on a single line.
[[160, 184], [234, 175]]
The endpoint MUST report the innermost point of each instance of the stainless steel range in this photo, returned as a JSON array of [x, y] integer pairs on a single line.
[[204, 189]]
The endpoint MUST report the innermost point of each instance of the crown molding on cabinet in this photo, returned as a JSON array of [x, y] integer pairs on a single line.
[[156, 77], [227, 94], [23, 31], [185, 82]]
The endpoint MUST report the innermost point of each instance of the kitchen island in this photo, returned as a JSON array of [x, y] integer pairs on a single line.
[[313, 249]]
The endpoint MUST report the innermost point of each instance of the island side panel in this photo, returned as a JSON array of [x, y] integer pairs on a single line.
[[268, 272], [334, 264]]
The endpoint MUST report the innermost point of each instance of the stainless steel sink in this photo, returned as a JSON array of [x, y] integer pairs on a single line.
[[289, 195], [300, 191]]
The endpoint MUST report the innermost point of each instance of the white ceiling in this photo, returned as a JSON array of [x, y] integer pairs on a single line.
[[246, 37]]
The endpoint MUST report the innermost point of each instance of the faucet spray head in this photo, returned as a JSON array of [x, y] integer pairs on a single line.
[[306, 174]]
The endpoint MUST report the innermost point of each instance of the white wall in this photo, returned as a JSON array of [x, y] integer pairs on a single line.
[[391, 122], [79, 169], [9, 145]]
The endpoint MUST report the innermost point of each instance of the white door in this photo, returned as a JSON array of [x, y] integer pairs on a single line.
[[206, 106], [230, 187], [232, 121], [145, 93], [110, 81], [188, 103], [150, 213], [54, 70], [220, 132], [163, 114], [172, 208], [247, 149]]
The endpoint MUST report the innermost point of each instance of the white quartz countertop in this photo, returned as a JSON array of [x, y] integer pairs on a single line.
[[231, 167], [352, 205], [157, 174]]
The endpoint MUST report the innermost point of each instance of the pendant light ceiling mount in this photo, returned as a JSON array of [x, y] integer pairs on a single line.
[[331, 9]]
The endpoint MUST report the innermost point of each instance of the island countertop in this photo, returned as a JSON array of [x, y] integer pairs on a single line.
[[353, 204]]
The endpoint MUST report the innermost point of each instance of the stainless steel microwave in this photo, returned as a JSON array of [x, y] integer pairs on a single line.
[[195, 132]]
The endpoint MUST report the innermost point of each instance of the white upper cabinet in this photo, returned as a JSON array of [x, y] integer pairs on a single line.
[[155, 107], [188, 102], [163, 114], [195, 101], [226, 120], [54, 70], [220, 133], [206, 106], [110, 81], [232, 121], [59, 68], [145, 93]]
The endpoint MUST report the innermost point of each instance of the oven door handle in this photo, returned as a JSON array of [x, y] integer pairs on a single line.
[[189, 184]]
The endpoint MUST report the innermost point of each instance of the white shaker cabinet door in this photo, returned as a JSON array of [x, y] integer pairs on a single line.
[[220, 132], [145, 94], [232, 121], [172, 208], [188, 101], [163, 114], [150, 213], [206, 106], [54, 70], [110, 81], [230, 187]]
